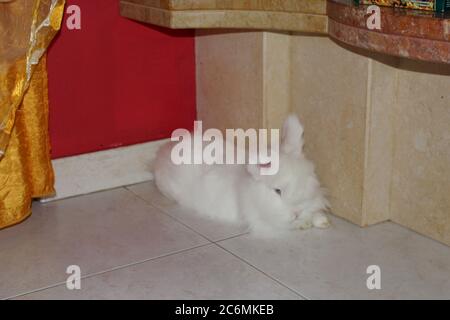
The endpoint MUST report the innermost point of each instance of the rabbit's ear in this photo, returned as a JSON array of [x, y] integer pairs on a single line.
[[292, 136]]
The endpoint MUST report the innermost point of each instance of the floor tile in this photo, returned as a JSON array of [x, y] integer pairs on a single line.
[[202, 273], [332, 264], [96, 232], [211, 229]]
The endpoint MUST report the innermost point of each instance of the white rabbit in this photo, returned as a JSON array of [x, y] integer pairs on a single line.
[[290, 199]]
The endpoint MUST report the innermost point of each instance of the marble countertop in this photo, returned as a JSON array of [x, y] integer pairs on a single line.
[[413, 34], [305, 6], [286, 15]]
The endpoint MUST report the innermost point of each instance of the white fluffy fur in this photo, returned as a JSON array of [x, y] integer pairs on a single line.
[[238, 193]]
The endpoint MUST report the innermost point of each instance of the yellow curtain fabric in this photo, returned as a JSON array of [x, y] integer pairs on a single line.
[[25, 170], [26, 29]]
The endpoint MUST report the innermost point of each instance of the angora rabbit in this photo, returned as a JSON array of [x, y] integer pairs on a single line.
[[289, 199]]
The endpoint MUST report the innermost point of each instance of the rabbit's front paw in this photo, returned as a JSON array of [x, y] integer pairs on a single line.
[[321, 221], [302, 224]]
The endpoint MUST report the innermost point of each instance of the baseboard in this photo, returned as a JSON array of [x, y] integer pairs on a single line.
[[103, 170]]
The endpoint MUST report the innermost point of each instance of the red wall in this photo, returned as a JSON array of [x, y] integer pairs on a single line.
[[117, 82]]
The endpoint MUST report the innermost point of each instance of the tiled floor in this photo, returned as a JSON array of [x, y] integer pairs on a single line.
[[133, 243]]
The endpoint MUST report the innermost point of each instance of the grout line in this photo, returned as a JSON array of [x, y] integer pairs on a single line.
[[367, 141], [232, 237], [393, 136], [124, 266], [220, 246], [263, 272], [38, 200], [162, 210], [265, 39], [166, 212]]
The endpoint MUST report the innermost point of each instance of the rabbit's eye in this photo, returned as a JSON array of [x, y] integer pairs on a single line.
[[278, 191]]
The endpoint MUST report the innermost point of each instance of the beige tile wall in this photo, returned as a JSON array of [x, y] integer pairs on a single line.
[[230, 79], [420, 191], [276, 78], [379, 142], [329, 88], [378, 128]]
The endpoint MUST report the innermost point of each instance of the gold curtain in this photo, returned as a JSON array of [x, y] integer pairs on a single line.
[[26, 29]]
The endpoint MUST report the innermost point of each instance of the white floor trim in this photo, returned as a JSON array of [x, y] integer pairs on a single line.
[[103, 170]]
